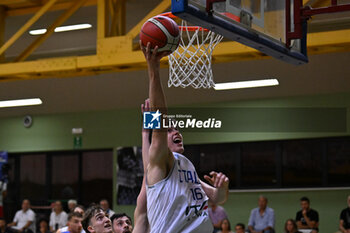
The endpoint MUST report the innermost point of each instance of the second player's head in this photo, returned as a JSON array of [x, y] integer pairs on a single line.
[[121, 223], [175, 140], [74, 222]]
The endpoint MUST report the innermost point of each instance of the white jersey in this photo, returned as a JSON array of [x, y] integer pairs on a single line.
[[178, 203]]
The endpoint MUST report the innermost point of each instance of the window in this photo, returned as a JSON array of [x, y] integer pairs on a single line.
[[33, 177], [338, 161], [97, 174], [258, 164], [302, 163], [65, 174]]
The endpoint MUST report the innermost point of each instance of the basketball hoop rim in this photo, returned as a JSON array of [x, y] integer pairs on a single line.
[[184, 28]]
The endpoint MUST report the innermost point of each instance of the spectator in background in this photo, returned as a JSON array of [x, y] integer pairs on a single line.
[[3, 192], [262, 218], [307, 218], [344, 224], [225, 226], [58, 217], [291, 226], [240, 228], [72, 204], [24, 220], [121, 223], [43, 226], [105, 206], [3, 227], [216, 214], [80, 209]]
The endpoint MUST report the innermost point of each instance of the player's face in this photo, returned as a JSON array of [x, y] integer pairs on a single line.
[[122, 225], [175, 142], [74, 225], [304, 205], [100, 223]]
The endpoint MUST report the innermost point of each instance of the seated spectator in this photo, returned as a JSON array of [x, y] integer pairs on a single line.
[[121, 223], [262, 218], [24, 220], [105, 206], [58, 217], [216, 214], [307, 218], [80, 209], [240, 228], [225, 226], [3, 227], [344, 224], [72, 204], [291, 226], [43, 226]]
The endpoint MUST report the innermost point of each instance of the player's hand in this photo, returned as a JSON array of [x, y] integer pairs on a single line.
[[153, 57], [218, 180], [145, 108]]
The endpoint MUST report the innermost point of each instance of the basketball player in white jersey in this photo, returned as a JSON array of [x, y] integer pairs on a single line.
[[177, 200]]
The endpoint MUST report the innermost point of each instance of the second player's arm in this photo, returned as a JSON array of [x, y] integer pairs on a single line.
[[140, 215], [218, 192]]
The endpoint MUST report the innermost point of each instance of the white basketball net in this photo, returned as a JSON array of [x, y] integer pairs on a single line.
[[190, 64]]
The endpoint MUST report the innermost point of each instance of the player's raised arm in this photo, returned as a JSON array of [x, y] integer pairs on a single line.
[[140, 214], [159, 154]]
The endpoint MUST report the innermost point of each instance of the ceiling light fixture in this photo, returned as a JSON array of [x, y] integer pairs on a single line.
[[20, 102], [246, 84], [62, 29]]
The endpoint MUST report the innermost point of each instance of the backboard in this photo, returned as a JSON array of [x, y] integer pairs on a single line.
[[266, 25]]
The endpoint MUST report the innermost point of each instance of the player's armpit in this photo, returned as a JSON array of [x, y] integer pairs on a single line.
[[159, 167]]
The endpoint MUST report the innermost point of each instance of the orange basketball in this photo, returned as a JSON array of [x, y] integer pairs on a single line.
[[160, 31]]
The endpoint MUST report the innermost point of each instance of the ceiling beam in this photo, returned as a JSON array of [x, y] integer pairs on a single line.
[[69, 12], [15, 2], [160, 8], [2, 30], [123, 60], [26, 26], [33, 9]]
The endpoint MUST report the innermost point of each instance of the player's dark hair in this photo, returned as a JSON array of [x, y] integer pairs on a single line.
[[74, 214], [120, 215], [305, 199]]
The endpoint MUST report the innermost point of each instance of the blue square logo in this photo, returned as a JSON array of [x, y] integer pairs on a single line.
[[151, 120]]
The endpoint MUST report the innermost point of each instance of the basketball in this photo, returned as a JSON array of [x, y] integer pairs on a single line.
[[160, 31]]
